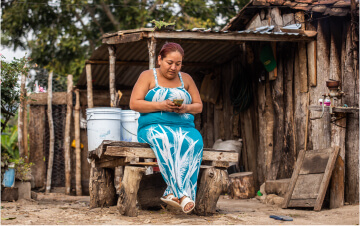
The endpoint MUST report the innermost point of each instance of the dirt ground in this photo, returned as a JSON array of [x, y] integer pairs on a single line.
[[59, 209]]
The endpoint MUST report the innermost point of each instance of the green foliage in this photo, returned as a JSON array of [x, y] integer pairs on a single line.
[[66, 32], [9, 142], [160, 24], [22, 169], [10, 86]]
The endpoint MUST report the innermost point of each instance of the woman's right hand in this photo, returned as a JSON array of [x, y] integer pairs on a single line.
[[167, 105]]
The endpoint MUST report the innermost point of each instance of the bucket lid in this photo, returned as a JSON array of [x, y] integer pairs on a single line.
[[103, 110]]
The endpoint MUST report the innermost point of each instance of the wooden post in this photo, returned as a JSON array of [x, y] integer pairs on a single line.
[[26, 148], [152, 43], [51, 131], [89, 85], [312, 62], [128, 192], [213, 182], [112, 58], [101, 187], [21, 116], [269, 117], [77, 145], [302, 57], [69, 111]]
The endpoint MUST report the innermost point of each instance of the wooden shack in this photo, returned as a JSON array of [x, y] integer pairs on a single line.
[[270, 111]]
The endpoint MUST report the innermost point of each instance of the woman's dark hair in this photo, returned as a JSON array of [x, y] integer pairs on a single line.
[[170, 47]]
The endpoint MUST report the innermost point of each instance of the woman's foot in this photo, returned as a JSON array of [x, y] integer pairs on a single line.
[[171, 200], [188, 206]]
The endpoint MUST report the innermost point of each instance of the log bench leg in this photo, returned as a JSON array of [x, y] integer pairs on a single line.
[[101, 187], [129, 189], [213, 182]]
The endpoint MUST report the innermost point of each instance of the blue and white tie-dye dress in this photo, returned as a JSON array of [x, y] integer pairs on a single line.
[[176, 142]]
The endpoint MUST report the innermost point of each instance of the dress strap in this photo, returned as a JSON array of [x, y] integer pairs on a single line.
[[180, 77], [155, 77]]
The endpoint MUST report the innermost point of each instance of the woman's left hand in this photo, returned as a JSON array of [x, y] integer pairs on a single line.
[[182, 109]]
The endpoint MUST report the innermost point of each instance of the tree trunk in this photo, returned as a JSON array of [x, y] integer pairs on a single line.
[[242, 185], [69, 111], [51, 131], [129, 190], [213, 182], [101, 187]]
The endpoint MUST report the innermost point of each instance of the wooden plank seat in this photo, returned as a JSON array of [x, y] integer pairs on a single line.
[[213, 178]]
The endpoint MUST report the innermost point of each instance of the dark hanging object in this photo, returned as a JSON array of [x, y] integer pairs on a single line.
[[241, 93]]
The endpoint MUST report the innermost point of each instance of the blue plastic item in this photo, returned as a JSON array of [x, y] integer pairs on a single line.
[[9, 178], [283, 218]]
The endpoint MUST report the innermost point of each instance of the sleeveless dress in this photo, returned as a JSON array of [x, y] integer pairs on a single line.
[[176, 142]]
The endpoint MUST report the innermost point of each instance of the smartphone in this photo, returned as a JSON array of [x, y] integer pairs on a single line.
[[178, 102]]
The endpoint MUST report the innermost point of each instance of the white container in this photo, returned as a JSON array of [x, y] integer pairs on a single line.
[[129, 125], [103, 123]]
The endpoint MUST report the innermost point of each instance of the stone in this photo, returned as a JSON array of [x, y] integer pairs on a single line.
[[24, 189], [262, 189]]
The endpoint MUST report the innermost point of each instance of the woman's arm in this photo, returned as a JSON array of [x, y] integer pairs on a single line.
[[140, 89], [196, 106]]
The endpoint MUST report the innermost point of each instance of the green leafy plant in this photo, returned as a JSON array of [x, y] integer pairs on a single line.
[[22, 169], [160, 24], [10, 86], [9, 142]]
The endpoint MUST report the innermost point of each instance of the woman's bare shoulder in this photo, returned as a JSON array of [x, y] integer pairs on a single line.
[[187, 79]]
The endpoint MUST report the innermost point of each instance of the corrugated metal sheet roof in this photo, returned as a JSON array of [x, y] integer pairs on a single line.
[[199, 55], [322, 7]]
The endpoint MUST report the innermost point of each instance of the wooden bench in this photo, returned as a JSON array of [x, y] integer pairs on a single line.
[[212, 181]]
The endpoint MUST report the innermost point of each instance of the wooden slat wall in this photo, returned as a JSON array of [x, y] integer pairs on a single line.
[[289, 98]]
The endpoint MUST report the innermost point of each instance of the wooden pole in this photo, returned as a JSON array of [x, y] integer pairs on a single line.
[[69, 110], [26, 148], [77, 144], [21, 117], [89, 80], [112, 58], [152, 43], [51, 131]]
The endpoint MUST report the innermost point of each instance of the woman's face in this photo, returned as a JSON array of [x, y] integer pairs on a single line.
[[170, 65]]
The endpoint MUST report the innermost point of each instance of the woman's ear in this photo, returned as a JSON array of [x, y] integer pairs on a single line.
[[159, 59]]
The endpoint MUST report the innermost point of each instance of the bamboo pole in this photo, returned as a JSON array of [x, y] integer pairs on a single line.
[[51, 131], [89, 80], [112, 58], [69, 110], [21, 117], [77, 144]]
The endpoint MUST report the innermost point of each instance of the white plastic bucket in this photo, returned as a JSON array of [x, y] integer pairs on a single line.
[[103, 123], [129, 125]]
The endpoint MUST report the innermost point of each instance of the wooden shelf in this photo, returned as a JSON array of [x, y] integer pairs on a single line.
[[335, 109]]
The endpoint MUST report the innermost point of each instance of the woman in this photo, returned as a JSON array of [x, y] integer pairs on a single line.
[[168, 128]]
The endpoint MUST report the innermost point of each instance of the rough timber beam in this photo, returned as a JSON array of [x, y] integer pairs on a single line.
[[205, 36]]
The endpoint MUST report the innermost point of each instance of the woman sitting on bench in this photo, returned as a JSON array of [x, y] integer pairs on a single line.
[[167, 100]]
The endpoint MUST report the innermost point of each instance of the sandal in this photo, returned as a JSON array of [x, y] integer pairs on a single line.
[[186, 201], [169, 200]]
